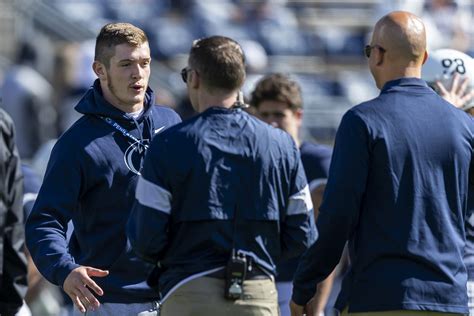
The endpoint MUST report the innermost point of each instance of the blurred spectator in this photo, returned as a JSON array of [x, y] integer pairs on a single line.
[[169, 35], [76, 78], [275, 26], [135, 11], [256, 58], [215, 16], [448, 24], [27, 97], [385, 6]]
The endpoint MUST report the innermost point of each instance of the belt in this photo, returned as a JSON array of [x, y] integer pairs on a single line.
[[255, 274]]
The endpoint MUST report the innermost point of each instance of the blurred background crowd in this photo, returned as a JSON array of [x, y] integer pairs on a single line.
[[47, 50]]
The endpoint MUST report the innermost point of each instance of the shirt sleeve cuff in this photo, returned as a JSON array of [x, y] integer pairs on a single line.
[[301, 296], [64, 271]]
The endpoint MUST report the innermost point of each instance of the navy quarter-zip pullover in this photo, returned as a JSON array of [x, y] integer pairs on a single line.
[[397, 190]]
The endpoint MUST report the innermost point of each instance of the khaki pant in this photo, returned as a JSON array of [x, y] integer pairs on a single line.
[[399, 312], [116, 309], [205, 297]]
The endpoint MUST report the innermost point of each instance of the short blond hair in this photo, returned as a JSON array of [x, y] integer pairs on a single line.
[[114, 34]]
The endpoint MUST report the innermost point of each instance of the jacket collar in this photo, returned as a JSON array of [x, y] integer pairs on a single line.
[[404, 83]]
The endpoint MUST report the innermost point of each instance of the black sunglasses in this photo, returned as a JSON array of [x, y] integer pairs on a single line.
[[184, 74], [368, 49]]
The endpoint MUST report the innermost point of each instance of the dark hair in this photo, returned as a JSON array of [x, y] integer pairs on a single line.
[[114, 34], [277, 87], [219, 61]]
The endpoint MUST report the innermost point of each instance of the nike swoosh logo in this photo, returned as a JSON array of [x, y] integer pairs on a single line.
[[156, 131]]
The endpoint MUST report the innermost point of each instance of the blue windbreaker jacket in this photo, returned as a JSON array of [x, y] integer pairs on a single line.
[[199, 177], [90, 179]]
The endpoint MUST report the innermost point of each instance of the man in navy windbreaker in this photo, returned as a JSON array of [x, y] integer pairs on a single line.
[[221, 181], [91, 178], [397, 190]]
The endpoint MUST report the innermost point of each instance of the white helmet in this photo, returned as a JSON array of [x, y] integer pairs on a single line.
[[442, 64]]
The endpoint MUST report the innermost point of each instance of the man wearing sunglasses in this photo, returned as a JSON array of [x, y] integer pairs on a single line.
[[397, 191], [221, 198]]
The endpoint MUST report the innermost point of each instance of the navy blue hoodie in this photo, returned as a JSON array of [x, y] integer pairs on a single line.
[[91, 178]]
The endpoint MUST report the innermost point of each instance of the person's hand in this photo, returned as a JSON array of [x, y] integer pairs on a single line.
[[313, 307], [296, 310], [458, 94], [78, 286]]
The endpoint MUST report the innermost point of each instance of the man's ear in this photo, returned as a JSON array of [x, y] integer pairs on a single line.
[[379, 55], [99, 70], [425, 57], [195, 81], [299, 116], [299, 113]]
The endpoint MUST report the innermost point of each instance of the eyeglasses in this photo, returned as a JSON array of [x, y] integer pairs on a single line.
[[368, 49], [184, 74]]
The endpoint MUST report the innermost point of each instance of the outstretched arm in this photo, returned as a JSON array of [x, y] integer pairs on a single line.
[[79, 286], [46, 228]]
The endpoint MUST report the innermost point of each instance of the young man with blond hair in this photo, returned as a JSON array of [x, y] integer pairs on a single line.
[[91, 178]]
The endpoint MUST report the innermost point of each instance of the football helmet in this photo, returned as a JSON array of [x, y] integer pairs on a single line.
[[442, 64]]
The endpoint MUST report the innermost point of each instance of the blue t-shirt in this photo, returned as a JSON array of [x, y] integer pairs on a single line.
[[397, 190]]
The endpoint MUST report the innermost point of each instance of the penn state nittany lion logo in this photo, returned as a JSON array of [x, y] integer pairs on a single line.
[[134, 155]]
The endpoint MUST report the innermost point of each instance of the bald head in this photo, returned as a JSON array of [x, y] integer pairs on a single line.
[[403, 36]]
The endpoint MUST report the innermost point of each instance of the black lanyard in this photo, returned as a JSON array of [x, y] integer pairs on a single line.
[[122, 130]]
